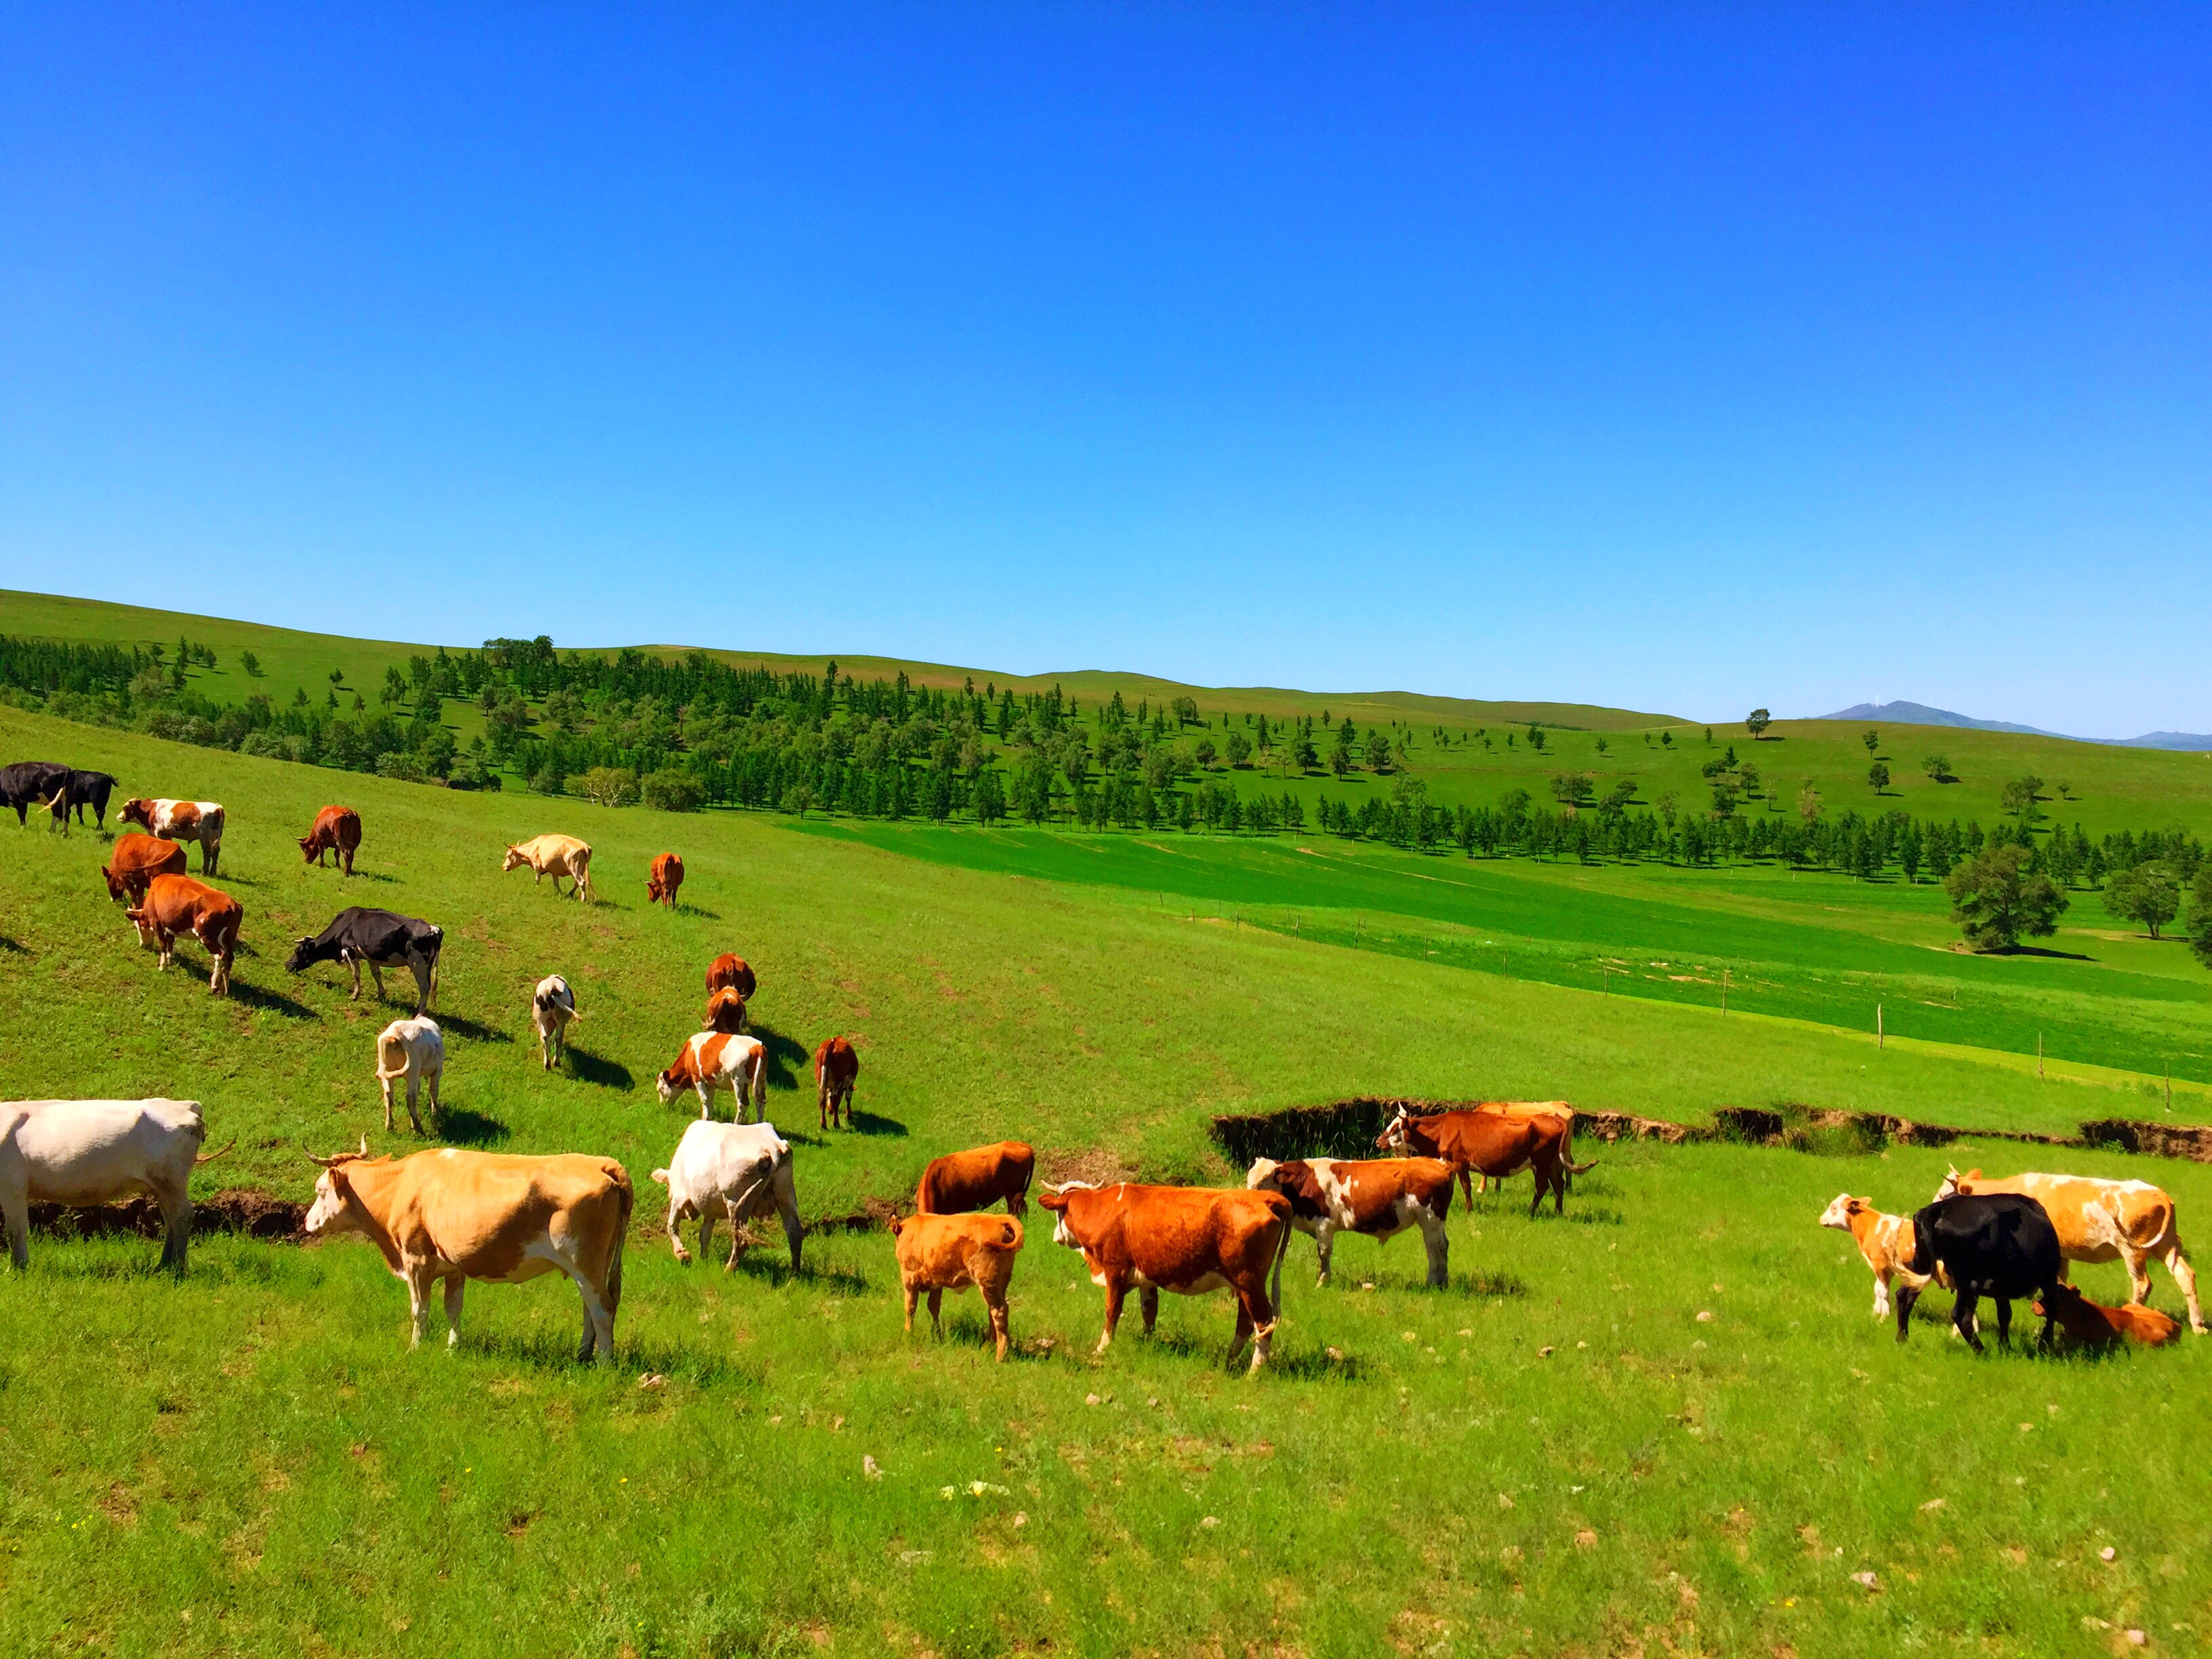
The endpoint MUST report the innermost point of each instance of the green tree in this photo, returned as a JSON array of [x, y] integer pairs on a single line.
[[1379, 750], [1756, 723], [1340, 758], [2200, 915], [2017, 796], [1808, 802], [1938, 768], [1238, 748], [1872, 740], [1724, 798], [1204, 752], [1996, 900], [1535, 737], [1601, 745], [2148, 893], [609, 785], [395, 688], [1878, 777], [250, 664], [1569, 787]]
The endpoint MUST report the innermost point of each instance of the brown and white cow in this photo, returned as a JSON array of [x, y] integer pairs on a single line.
[[552, 1006], [941, 1253], [179, 820], [336, 829], [2128, 1221], [1378, 1197], [2083, 1323], [726, 1012], [136, 861], [1189, 1240], [1489, 1143], [978, 1178], [556, 856], [836, 1069], [730, 973], [711, 1059], [454, 1216], [666, 877], [177, 905], [1885, 1242]]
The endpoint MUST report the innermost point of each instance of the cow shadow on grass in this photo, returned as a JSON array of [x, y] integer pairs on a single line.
[[787, 1057], [14, 947], [683, 909], [588, 1067], [461, 1025], [970, 1329], [768, 1263], [868, 1124], [464, 1127], [275, 1002], [555, 1352]]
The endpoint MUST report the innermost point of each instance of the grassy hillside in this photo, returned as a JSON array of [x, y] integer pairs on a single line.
[[1554, 1454]]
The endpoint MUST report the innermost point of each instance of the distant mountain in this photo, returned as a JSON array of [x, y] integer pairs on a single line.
[[1919, 714]]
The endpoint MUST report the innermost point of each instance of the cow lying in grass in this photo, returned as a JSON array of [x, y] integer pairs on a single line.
[[2086, 1324], [941, 1253]]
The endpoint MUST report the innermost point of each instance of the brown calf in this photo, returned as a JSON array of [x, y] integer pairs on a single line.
[[666, 876], [336, 829], [729, 973], [174, 905], [941, 1253], [977, 1178], [2086, 1324], [136, 861], [726, 1012], [836, 1068]]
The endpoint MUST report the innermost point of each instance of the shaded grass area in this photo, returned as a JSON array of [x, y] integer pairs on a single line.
[[1554, 1454]]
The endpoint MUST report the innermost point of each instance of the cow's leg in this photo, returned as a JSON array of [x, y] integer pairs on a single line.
[[376, 973], [2004, 1322], [786, 1206], [675, 1233], [352, 966], [176, 1203], [15, 1212], [1324, 1251], [936, 1301], [386, 1083], [1881, 1293], [998, 1321], [2185, 1275], [418, 1301], [737, 1243], [414, 1088], [707, 1211], [1117, 1288], [2138, 1266], [437, 1107], [1438, 1241], [706, 1090], [1243, 1334], [1962, 1319], [1148, 1302], [598, 1324], [913, 1293], [421, 972], [1906, 1296], [455, 1285], [1466, 1187], [822, 1102]]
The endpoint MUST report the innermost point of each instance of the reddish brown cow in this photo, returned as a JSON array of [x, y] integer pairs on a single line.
[[836, 1068], [1189, 1240], [2086, 1324], [667, 875], [178, 904], [138, 860], [1490, 1143], [338, 830], [730, 973], [974, 1179], [726, 1012]]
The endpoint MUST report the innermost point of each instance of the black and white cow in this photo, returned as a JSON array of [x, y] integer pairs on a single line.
[[382, 938], [31, 783], [1997, 1244]]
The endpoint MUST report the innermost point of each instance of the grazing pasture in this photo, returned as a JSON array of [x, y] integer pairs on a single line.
[[1556, 1453]]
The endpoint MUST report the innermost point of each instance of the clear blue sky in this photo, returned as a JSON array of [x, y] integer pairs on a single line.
[[1683, 358]]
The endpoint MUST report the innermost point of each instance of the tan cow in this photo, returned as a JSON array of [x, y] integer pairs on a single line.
[[175, 905], [1189, 1240], [556, 856], [1379, 1197], [180, 820], [1885, 1241], [977, 1178], [454, 1216], [711, 1059], [2128, 1221], [941, 1253], [136, 861]]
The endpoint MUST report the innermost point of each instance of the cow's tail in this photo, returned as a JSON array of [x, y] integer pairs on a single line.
[[1282, 1250], [210, 1158], [391, 1059], [622, 1231], [1582, 1168]]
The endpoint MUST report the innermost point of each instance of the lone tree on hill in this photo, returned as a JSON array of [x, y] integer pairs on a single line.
[[2146, 894], [1756, 723], [1938, 768], [1878, 777], [1996, 899], [1872, 740]]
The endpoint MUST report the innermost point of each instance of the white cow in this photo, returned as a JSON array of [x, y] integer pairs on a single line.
[[734, 1171], [552, 1006], [82, 1153], [414, 1049]]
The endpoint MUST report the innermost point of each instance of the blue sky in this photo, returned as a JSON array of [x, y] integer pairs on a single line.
[[1682, 358]]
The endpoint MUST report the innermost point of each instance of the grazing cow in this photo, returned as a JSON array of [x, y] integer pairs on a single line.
[[136, 861], [1550, 1108], [456, 1216], [2086, 1324], [78, 791], [1885, 1241], [556, 856], [730, 973], [414, 1049], [941, 1253], [179, 820], [976, 1179], [666, 876], [836, 1069], [552, 1006], [174, 905], [382, 938], [2130, 1221], [1189, 1240], [31, 783], [1492, 1143], [711, 1059], [336, 829], [1999, 1244], [82, 1152], [726, 1012], [1379, 1197], [733, 1171]]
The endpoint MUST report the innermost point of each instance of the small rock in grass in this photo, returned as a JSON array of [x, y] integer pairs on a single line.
[[1933, 1503], [653, 1380], [2108, 1554], [870, 1467], [1867, 1581], [1336, 1354], [2138, 1639], [1465, 1332], [1704, 1316], [1021, 1518], [1544, 1352], [1089, 1399], [1210, 1521], [1407, 1336], [1585, 1540], [1504, 1501]]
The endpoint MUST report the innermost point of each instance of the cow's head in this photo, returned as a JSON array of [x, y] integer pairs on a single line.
[[1954, 1183], [310, 842], [1839, 1213], [669, 1085], [1393, 1138], [332, 1212], [514, 859], [147, 937], [1261, 1174], [303, 955], [2062, 1302], [139, 811], [1056, 1200], [115, 889]]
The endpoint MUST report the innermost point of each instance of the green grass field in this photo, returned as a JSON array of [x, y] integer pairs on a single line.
[[249, 1462]]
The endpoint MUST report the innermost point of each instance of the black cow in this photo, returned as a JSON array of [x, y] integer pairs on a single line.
[[31, 783], [84, 789], [1999, 1244], [382, 938]]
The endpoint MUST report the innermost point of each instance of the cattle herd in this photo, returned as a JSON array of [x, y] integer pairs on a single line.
[[444, 1217]]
